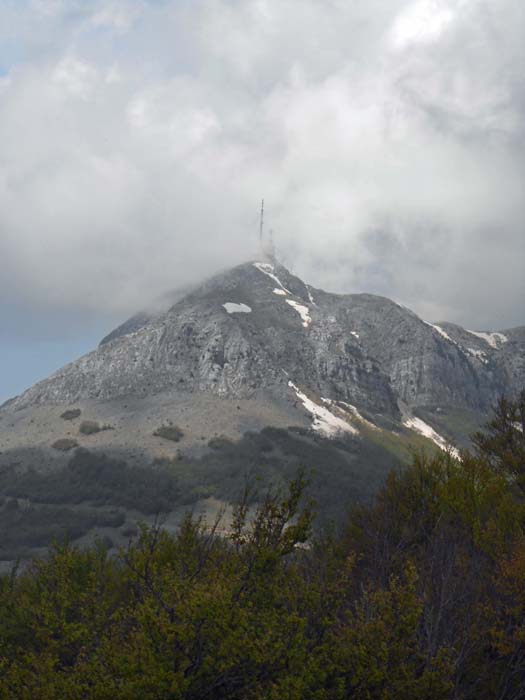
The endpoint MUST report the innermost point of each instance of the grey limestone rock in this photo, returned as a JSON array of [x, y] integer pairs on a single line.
[[257, 327]]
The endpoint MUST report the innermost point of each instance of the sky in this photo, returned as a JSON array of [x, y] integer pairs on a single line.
[[137, 138]]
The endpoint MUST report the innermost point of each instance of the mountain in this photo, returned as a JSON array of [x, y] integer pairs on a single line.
[[253, 370]]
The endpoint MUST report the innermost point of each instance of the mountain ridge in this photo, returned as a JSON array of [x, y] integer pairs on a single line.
[[198, 344]]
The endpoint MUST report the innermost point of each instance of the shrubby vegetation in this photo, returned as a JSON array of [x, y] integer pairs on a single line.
[[91, 427], [169, 432], [64, 444], [26, 526], [420, 597], [71, 414], [342, 472], [99, 480]]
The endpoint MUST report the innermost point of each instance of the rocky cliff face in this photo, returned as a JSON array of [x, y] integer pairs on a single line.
[[257, 327]]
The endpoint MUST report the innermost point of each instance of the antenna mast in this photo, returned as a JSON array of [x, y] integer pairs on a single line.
[[261, 224]]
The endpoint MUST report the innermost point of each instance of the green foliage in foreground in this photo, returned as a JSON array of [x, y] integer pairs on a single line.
[[422, 597]]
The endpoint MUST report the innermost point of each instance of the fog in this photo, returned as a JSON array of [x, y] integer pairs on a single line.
[[138, 138]]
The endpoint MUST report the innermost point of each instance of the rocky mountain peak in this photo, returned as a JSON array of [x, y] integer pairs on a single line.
[[257, 328]]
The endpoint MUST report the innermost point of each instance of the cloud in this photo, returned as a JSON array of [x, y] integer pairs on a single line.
[[118, 16], [423, 21], [387, 137], [75, 77]]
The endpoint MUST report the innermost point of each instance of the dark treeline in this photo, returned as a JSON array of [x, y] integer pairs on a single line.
[[421, 596]]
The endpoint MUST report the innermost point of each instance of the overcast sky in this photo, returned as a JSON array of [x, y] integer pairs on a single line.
[[137, 138]]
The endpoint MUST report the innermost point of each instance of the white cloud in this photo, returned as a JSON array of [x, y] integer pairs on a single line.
[[78, 78], [48, 8], [119, 15], [387, 139], [421, 22], [113, 75], [173, 114]]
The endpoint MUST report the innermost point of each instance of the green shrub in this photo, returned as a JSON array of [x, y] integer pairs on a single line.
[[219, 443], [129, 531], [89, 427], [71, 414], [105, 542], [64, 444], [169, 432]]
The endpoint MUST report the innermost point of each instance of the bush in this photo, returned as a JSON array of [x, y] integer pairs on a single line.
[[220, 443], [129, 531], [105, 542], [169, 432], [71, 414], [89, 427], [64, 444]]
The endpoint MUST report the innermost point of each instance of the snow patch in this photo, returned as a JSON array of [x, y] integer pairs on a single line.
[[479, 354], [351, 409], [441, 332], [427, 431], [493, 339], [310, 297], [233, 308], [325, 421], [269, 270], [303, 311], [280, 292], [358, 415]]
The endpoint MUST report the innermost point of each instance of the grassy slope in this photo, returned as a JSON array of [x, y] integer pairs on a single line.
[[341, 471]]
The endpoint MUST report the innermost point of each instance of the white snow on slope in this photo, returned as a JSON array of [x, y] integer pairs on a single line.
[[280, 292], [325, 421], [269, 270], [310, 297], [351, 409], [233, 308], [441, 332], [479, 354], [303, 311], [493, 339], [427, 431]]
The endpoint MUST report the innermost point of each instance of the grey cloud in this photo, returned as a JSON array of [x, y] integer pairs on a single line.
[[137, 138]]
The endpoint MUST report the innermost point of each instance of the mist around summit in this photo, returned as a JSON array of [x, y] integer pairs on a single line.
[[137, 139]]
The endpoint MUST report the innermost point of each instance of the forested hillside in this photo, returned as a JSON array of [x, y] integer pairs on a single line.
[[420, 596]]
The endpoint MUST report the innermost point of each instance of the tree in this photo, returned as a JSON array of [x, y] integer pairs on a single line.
[[502, 443]]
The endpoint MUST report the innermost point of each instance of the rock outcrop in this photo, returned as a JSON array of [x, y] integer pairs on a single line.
[[257, 327]]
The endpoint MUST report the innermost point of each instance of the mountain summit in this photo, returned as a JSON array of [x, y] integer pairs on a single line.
[[258, 328]]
